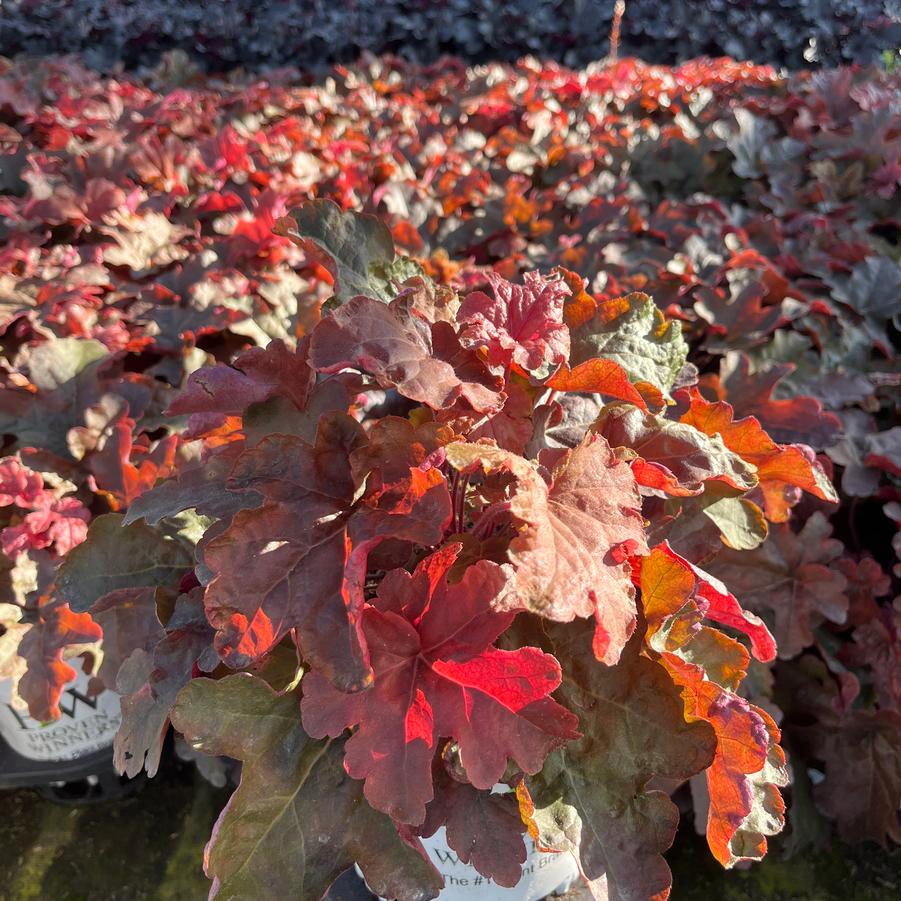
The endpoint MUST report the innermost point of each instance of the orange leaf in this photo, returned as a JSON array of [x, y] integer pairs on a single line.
[[669, 582], [780, 467], [580, 307], [598, 377], [43, 647], [748, 767]]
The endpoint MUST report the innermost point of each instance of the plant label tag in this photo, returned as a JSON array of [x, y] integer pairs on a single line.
[[543, 874], [87, 724]]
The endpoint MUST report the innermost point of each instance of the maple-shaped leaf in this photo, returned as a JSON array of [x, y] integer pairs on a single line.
[[862, 788], [117, 556], [592, 797], [296, 820], [857, 750], [792, 577], [779, 467], [438, 675], [43, 647], [128, 617], [200, 487], [785, 419], [299, 561], [865, 453], [356, 248], [149, 682], [877, 647], [866, 582], [673, 458], [483, 828], [575, 535], [747, 142], [521, 324], [257, 375], [632, 332], [604, 377], [736, 315], [282, 565], [397, 348], [58, 522]]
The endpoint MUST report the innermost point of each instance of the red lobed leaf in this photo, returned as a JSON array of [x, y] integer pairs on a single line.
[[578, 530], [750, 393], [521, 324], [61, 524], [150, 679], [394, 345], [792, 575], [743, 782], [436, 675], [483, 828], [299, 561], [19, 486], [258, 374], [673, 458], [668, 580]]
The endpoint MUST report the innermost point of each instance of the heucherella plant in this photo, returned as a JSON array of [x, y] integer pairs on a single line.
[[450, 541]]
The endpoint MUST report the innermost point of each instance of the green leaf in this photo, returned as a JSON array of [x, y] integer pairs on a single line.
[[117, 556], [356, 248], [741, 522], [297, 820], [635, 335], [64, 371], [56, 363], [594, 793], [872, 289]]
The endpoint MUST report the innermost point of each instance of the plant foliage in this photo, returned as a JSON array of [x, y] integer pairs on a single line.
[[255, 33], [394, 507]]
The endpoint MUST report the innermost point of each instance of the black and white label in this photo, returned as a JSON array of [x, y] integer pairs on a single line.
[[542, 874], [87, 724]]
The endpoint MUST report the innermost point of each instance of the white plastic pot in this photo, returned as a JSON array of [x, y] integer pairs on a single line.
[[87, 724], [542, 874]]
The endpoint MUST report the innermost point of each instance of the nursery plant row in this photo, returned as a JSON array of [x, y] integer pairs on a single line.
[[314, 35], [423, 431]]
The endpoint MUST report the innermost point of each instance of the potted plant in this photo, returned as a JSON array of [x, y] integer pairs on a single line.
[[453, 541], [74, 448]]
